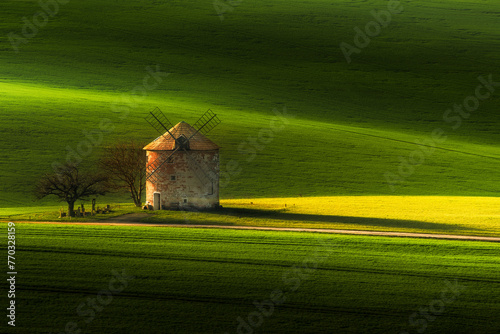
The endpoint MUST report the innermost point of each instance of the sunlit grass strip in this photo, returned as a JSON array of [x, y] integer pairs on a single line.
[[419, 214], [431, 214]]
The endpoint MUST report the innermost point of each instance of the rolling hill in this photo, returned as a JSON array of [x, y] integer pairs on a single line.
[[91, 72], [398, 133], [202, 281]]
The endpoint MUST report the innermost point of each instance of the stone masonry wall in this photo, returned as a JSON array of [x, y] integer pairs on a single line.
[[178, 184]]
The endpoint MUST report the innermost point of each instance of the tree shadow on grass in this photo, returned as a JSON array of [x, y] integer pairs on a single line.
[[283, 215]]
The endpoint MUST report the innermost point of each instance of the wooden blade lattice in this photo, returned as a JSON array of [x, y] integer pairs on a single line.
[[160, 122], [206, 123]]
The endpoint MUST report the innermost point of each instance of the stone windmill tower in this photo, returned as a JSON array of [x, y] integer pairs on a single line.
[[182, 164]]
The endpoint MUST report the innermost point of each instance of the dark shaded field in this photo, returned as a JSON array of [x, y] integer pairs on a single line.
[[201, 281]]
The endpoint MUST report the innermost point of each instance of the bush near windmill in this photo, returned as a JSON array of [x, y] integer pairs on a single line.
[[125, 164]]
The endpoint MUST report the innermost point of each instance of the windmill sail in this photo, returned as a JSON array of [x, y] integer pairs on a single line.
[[159, 121], [206, 123]]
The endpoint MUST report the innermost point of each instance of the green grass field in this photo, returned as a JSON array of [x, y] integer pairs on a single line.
[[351, 122], [201, 281], [84, 81], [473, 216]]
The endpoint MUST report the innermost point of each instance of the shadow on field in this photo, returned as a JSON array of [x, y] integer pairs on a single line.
[[332, 219]]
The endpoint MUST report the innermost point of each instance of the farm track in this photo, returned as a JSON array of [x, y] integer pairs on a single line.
[[122, 221]]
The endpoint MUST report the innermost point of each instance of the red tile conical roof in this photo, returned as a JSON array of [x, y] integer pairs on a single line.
[[166, 143]]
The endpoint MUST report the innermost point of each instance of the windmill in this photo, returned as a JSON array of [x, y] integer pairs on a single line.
[[183, 164]]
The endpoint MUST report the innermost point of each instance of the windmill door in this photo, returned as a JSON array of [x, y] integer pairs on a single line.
[[156, 201]]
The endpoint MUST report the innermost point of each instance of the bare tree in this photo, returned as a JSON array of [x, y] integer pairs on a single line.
[[70, 184], [125, 164]]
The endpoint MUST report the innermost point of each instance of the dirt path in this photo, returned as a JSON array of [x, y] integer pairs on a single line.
[[131, 220]]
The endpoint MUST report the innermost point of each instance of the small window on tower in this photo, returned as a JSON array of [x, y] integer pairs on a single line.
[[185, 200], [172, 177]]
